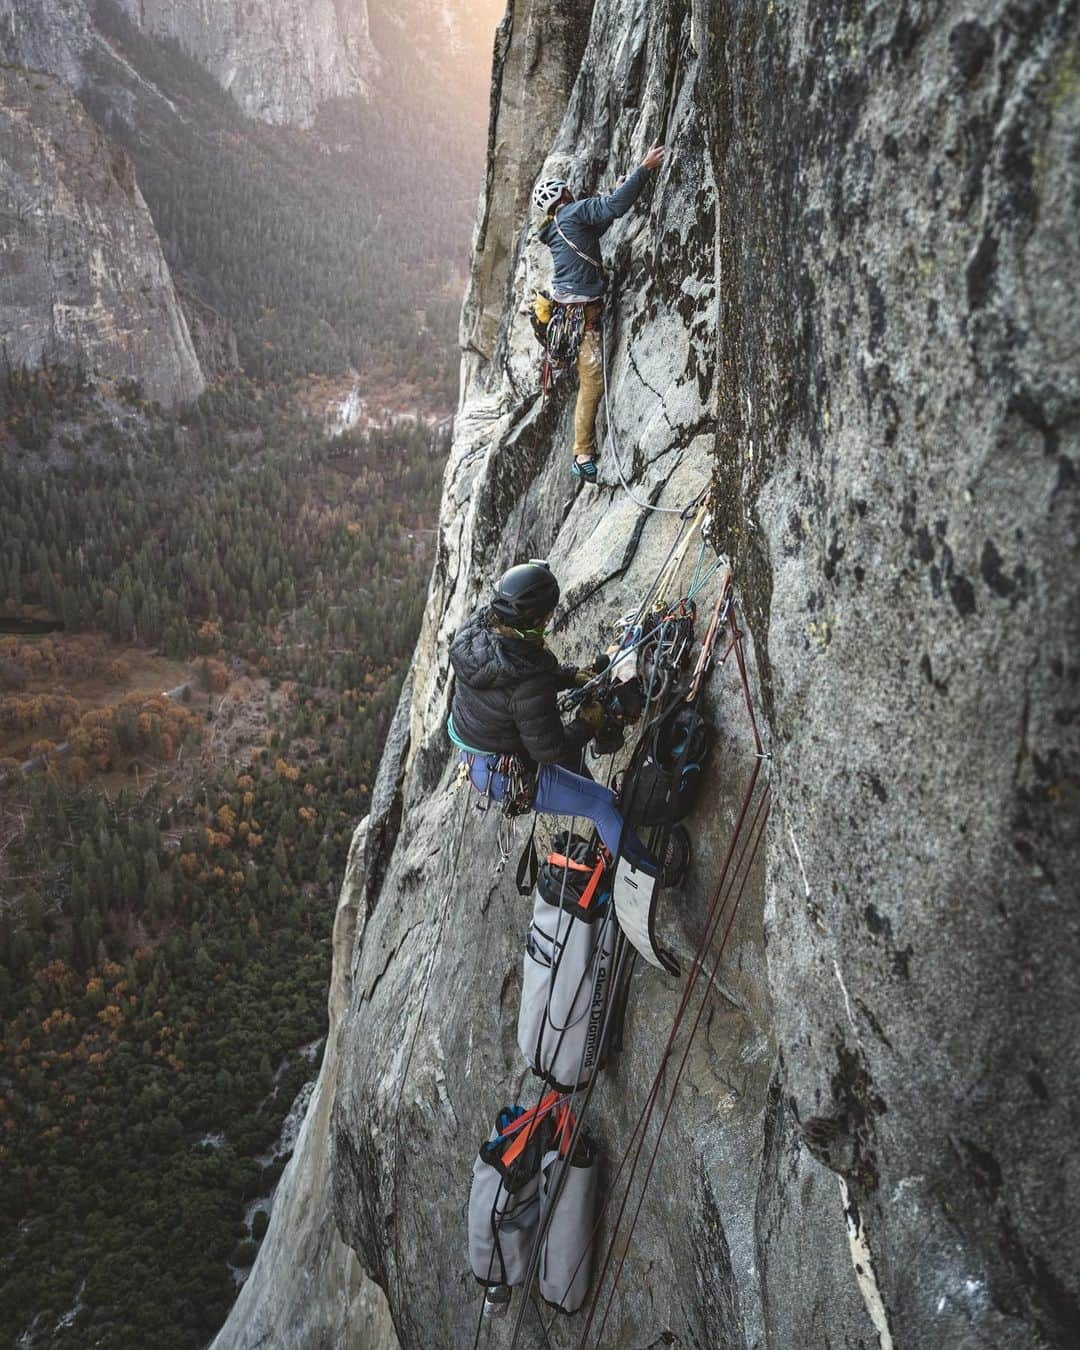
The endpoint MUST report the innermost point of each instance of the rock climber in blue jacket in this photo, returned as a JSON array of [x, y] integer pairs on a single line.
[[572, 232]]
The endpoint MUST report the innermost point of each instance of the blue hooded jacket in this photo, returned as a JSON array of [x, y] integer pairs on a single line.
[[583, 223]]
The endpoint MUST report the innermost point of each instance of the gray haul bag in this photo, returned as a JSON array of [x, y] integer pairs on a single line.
[[567, 968], [504, 1198], [566, 1260]]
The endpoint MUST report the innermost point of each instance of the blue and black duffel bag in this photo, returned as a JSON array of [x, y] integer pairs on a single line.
[[661, 784]]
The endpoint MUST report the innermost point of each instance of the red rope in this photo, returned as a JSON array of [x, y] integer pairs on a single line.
[[678, 1073], [645, 1114], [718, 905], [705, 655]]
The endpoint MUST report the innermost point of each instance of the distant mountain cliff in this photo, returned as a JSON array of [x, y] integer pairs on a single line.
[[280, 59], [85, 281], [306, 212]]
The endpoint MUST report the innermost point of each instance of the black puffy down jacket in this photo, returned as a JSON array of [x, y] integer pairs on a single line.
[[504, 698]]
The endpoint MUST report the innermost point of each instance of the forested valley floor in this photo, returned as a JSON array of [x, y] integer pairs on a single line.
[[169, 882], [169, 867]]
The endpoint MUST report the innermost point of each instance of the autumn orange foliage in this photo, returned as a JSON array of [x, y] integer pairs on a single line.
[[287, 771]]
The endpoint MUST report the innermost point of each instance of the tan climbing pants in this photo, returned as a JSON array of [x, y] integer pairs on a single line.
[[590, 371]]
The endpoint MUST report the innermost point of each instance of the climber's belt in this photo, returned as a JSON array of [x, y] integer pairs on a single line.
[[519, 773], [592, 313]]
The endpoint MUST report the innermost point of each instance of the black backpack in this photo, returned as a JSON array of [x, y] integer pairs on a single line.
[[572, 877], [661, 784]]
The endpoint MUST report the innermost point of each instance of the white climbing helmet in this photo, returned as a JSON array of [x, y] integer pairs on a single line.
[[547, 192]]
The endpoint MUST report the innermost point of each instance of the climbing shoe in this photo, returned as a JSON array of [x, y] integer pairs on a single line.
[[675, 862], [587, 471]]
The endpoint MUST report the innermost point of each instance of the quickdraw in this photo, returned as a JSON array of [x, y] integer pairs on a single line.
[[518, 797], [563, 337], [520, 786]]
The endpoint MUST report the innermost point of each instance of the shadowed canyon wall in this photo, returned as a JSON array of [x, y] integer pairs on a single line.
[[84, 279]]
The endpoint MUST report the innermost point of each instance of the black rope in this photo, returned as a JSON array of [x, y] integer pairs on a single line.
[[540, 1319], [711, 979], [619, 962], [724, 891], [618, 965], [645, 1115], [491, 1266]]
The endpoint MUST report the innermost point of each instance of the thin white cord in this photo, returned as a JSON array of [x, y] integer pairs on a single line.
[[645, 506]]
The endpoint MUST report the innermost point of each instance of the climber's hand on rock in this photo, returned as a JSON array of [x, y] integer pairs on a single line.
[[654, 158]]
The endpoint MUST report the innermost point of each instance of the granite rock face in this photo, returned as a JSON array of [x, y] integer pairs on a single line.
[[906, 377], [406, 1127], [50, 35], [845, 304], [280, 59], [538, 48], [213, 337], [84, 279]]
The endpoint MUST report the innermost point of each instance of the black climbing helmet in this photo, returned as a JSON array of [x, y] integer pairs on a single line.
[[526, 594]]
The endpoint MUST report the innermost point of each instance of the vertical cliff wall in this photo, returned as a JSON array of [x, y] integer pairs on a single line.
[[52, 36], [844, 303], [902, 406], [84, 280], [280, 59], [538, 48]]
